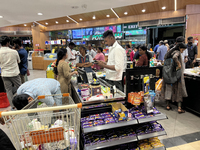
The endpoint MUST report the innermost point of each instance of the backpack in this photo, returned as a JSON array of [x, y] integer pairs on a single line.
[[170, 74]]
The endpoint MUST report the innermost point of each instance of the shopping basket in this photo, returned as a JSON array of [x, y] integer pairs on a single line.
[[46, 128]]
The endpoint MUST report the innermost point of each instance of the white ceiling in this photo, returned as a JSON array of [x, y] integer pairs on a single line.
[[25, 11]]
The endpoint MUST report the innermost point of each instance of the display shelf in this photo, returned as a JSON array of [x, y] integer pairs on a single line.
[[112, 143], [154, 118], [150, 135], [110, 126], [160, 148]]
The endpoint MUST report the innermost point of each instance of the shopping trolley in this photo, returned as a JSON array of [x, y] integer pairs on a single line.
[[46, 128]]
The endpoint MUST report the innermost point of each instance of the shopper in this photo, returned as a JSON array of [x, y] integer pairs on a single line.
[[137, 55], [166, 44], [144, 57], [9, 60], [23, 58], [30, 90], [156, 47], [63, 71], [162, 50], [71, 57], [99, 56], [128, 52], [84, 60], [176, 91], [192, 53], [91, 52], [116, 60]]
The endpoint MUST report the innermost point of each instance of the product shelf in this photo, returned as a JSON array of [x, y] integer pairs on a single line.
[[157, 117], [110, 126], [160, 148], [112, 143], [150, 135], [125, 123]]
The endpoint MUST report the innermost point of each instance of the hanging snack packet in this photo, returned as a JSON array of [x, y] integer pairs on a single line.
[[131, 97], [137, 99], [148, 104], [146, 83]]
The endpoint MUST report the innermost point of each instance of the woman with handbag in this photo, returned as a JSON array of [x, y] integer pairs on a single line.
[[174, 90]]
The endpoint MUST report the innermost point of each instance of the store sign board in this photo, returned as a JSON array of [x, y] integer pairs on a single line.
[[97, 37], [37, 44], [167, 25], [130, 26]]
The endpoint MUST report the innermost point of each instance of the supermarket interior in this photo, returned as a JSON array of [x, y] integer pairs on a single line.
[[100, 75]]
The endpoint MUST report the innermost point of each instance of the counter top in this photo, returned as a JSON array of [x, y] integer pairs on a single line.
[[190, 73]]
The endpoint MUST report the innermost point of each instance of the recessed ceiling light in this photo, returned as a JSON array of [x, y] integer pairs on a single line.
[[107, 15], [143, 10], [125, 13], [163, 8], [67, 20], [46, 23], [80, 19], [93, 17], [40, 14], [25, 25], [56, 22], [1, 16]]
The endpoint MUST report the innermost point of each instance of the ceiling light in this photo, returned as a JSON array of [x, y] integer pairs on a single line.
[[163, 8], [46, 23], [40, 14], [115, 13], [67, 20], [107, 15], [1, 16], [80, 19], [56, 22], [175, 5], [39, 24], [72, 19], [143, 10], [126, 13], [93, 17], [24, 24]]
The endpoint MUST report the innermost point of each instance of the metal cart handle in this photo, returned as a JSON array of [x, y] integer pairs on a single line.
[[79, 105]]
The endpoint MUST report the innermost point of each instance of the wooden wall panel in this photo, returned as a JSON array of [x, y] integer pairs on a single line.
[[15, 29], [193, 24], [111, 21]]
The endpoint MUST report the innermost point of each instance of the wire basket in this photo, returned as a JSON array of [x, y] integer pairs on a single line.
[[48, 128]]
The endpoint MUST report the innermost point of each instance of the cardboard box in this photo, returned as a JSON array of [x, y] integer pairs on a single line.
[[116, 107]]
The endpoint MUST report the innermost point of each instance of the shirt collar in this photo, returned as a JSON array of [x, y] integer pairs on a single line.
[[113, 46], [85, 55]]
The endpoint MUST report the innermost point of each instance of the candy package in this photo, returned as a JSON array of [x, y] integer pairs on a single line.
[[148, 104]]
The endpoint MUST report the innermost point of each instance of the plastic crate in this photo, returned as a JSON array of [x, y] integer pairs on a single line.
[[4, 102]]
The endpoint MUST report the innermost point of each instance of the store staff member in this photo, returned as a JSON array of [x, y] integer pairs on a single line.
[[71, 56], [91, 51], [84, 60], [116, 60]]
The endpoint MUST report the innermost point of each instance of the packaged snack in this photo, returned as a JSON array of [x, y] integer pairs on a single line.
[[137, 99], [146, 84], [148, 104], [131, 97], [99, 122], [87, 123], [104, 114], [87, 126]]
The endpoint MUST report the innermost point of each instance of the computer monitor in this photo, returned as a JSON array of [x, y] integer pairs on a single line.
[[82, 76]]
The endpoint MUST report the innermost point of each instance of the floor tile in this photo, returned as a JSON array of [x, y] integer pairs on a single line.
[[173, 148], [186, 147], [195, 145], [175, 141], [191, 137]]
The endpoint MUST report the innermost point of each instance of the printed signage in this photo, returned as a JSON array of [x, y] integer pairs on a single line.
[[118, 36], [130, 26], [37, 45]]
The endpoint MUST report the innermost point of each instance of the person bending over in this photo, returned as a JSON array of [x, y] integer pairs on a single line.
[[32, 89]]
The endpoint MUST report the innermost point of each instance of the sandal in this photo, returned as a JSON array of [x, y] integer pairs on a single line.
[[181, 111], [168, 108]]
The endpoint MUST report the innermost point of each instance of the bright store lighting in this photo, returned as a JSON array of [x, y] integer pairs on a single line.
[[115, 13], [107, 15], [126, 13], [40, 14], [56, 22], [72, 19], [163, 8], [175, 5], [1, 16], [93, 17], [46, 23], [80, 19], [24, 24], [143, 10], [67, 20]]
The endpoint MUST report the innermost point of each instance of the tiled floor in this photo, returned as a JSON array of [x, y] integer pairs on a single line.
[[182, 129]]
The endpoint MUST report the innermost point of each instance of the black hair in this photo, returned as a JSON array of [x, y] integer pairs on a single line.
[[181, 45], [128, 45], [108, 33], [171, 46], [72, 44], [144, 48], [190, 38], [17, 41], [84, 48], [60, 54], [101, 49], [20, 101], [4, 40], [180, 39]]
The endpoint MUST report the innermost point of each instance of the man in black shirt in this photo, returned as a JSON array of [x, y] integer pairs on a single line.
[[192, 53]]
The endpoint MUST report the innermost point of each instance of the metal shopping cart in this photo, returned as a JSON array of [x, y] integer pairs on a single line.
[[46, 128]]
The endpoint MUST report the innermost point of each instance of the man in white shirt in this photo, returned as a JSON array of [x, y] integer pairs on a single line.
[[70, 55], [116, 60], [9, 60], [91, 51]]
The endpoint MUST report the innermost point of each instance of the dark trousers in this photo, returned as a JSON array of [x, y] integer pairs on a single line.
[[5, 142], [118, 84]]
